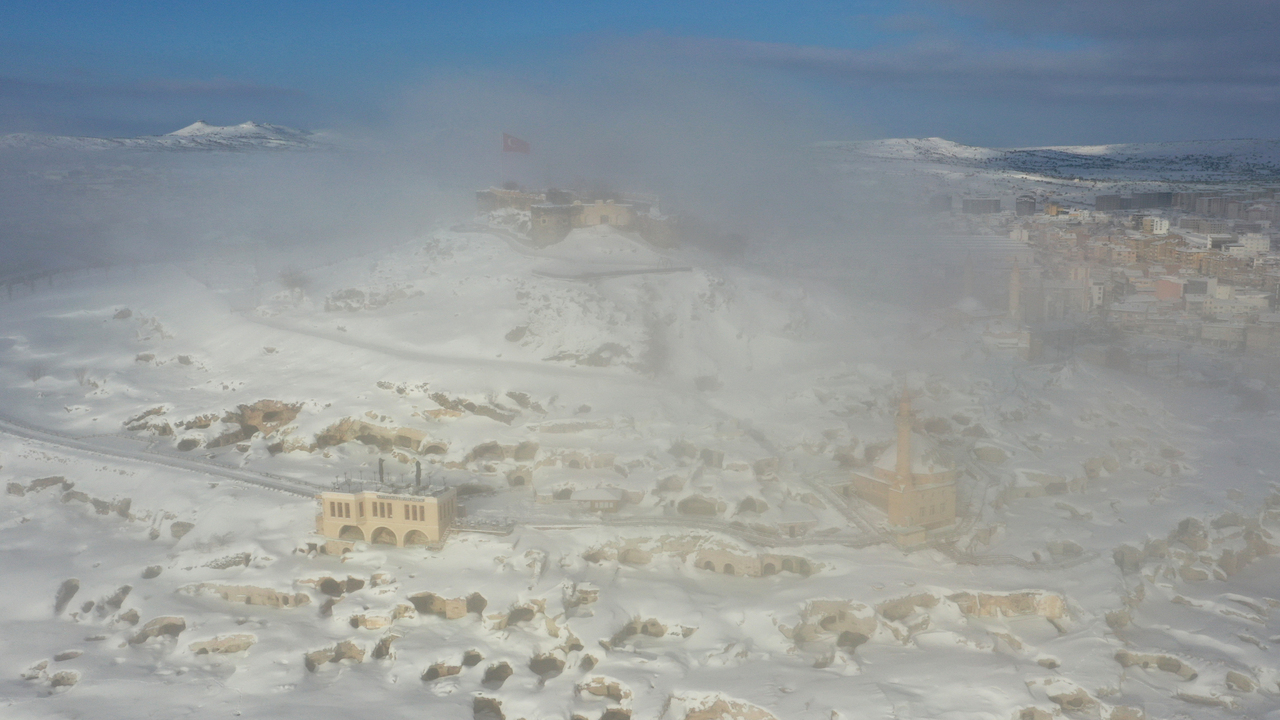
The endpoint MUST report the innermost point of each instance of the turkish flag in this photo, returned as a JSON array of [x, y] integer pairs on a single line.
[[514, 144]]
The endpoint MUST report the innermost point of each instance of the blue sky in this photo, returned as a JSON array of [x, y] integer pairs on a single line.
[[994, 72]]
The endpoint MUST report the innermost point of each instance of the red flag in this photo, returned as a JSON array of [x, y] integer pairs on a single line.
[[514, 144]]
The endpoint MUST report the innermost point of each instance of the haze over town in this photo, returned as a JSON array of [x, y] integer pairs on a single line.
[[737, 360]]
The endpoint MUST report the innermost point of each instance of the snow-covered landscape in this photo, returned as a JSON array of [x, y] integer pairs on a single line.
[[165, 428], [199, 135], [1066, 174]]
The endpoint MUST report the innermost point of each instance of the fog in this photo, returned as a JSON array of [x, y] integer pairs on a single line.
[[728, 147], [842, 425]]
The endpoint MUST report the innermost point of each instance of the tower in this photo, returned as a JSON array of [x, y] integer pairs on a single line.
[[902, 469]]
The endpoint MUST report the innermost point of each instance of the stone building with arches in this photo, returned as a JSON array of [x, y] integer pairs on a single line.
[[728, 562], [388, 518]]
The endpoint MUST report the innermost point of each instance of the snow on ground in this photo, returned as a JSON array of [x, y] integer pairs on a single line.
[[196, 136], [669, 386], [1073, 174]]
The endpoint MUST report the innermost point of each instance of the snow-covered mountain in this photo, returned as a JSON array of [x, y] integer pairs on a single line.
[[1240, 160], [196, 136]]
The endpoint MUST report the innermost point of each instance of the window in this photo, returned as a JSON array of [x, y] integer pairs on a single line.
[[346, 510], [333, 508], [406, 512]]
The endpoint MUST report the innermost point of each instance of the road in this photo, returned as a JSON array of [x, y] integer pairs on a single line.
[[468, 361], [110, 446]]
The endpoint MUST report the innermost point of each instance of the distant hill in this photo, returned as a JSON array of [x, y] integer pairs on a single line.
[[1241, 160], [197, 136]]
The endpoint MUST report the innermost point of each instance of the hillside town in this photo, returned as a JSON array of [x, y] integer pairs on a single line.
[[1196, 268]]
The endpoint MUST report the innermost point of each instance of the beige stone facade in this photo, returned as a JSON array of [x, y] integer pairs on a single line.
[[498, 198], [550, 223], [606, 212], [915, 486], [388, 519]]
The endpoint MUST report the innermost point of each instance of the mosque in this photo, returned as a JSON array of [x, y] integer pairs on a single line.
[[912, 482]]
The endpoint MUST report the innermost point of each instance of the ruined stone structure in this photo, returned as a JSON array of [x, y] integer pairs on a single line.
[[498, 198], [388, 519], [912, 483], [552, 222]]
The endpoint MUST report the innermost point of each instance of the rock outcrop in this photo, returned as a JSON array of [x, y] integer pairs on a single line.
[[250, 595], [223, 644], [165, 626], [345, 650], [66, 591]]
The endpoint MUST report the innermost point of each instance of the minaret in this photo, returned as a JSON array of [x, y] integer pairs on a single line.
[[1015, 293], [902, 472]]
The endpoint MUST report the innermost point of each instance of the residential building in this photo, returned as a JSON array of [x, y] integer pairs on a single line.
[[1155, 225], [980, 206]]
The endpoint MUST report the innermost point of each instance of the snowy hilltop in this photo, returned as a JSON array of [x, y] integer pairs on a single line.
[[1185, 161], [196, 136]]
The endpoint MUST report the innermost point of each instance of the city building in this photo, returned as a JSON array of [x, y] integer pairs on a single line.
[[1110, 203], [1025, 205], [387, 518], [980, 206], [1155, 225], [1256, 243]]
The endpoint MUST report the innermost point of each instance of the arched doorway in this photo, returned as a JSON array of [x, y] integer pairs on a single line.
[[768, 569], [351, 532], [415, 537], [728, 569], [708, 565], [788, 565], [383, 536]]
